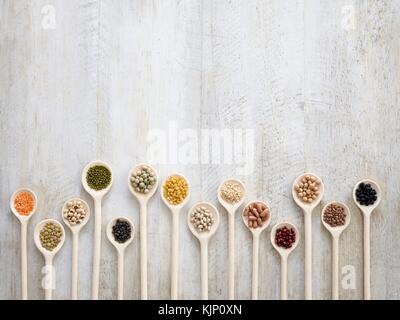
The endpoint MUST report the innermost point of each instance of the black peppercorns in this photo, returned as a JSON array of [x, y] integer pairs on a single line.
[[121, 231], [365, 194]]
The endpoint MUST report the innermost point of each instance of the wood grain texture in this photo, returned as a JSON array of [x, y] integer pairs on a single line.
[[320, 95]]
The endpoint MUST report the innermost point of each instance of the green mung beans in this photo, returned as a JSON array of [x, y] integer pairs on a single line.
[[98, 177]]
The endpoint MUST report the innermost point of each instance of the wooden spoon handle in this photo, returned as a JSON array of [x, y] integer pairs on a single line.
[[204, 270], [231, 254], [96, 249], [74, 276], [24, 262], [367, 280], [120, 275], [254, 282], [335, 268], [175, 256], [143, 250], [283, 277], [49, 280], [308, 254]]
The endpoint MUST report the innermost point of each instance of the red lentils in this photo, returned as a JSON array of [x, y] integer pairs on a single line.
[[24, 203]]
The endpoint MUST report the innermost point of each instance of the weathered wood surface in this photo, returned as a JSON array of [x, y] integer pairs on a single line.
[[321, 92]]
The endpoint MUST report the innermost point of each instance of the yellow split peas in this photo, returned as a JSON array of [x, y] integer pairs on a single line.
[[175, 190]]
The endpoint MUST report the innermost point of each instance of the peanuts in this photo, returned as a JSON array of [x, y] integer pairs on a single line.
[[202, 219], [257, 213], [307, 189]]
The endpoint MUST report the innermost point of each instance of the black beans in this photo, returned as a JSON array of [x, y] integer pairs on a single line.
[[121, 231], [285, 237], [365, 194]]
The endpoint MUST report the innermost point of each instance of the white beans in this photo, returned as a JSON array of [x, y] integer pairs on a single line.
[[75, 212], [202, 219]]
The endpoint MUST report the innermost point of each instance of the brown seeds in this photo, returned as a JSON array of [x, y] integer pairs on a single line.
[[334, 215], [308, 188], [257, 213]]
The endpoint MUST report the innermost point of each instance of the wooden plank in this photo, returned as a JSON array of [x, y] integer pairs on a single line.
[[318, 93]]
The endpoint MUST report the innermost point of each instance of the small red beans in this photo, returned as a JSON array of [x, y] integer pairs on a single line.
[[285, 237]]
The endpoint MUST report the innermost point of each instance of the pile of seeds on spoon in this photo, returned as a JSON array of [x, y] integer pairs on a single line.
[[98, 177], [256, 214], [232, 192], [122, 231], [335, 215], [175, 189], [143, 180], [50, 236], [365, 194], [24, 203], [74, 212], [285, 237], [308, 188], [202, 219]]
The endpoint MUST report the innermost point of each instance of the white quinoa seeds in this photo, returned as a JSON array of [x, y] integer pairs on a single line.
[[232, 192]]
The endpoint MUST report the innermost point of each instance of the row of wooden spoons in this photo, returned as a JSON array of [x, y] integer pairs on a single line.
[[335, 232], [231, 209], [203, 238]]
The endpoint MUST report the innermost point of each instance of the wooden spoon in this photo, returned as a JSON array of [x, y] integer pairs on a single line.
[[367, 211], [75, 229], [175, 211], [24, 230], [204, 237], [49, 281], [307, 210], [97, 196], [121, 251], [143, 199], [336, 232], [231, 209], [284, 253], [256, 232]]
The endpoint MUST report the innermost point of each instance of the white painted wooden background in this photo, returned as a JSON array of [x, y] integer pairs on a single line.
[[321, 92]]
